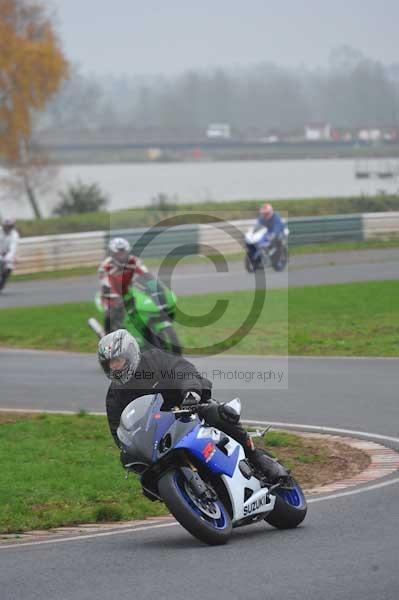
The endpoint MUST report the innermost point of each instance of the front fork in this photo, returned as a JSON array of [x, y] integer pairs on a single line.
[[255, 254]]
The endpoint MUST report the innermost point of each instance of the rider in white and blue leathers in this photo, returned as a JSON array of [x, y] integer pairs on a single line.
[[272, 220], [9, 238]]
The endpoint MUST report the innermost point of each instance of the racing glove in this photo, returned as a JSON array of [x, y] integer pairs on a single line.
[[228, 414]]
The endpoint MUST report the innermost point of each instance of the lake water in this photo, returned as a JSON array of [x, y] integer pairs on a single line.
[[130, 185]]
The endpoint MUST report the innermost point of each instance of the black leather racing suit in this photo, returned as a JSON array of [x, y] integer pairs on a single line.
[[172, 376]]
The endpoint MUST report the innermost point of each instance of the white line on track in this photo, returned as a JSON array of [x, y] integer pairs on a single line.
[[321, 429], [354, 492], [88, 536], [369, 488]]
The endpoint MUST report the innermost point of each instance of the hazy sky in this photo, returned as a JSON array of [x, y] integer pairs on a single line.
[[155, 36]]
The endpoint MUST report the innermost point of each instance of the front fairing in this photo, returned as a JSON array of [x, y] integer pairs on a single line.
[[201, 442], [151, 295], [148, 434], [143, 428], [255, 236], [142, 425]]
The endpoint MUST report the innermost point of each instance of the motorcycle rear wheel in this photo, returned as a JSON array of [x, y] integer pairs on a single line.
[[280, 259], [290, 508], [167, 340], [209, 522]]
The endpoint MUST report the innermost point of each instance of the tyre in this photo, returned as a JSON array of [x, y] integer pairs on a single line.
[[207, 521], [290, 508], [280, 259], [168, 340], [2, 275], [248, 264]]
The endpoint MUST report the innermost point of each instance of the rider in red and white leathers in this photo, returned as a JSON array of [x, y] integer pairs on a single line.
[[9, 238], [116, 274]]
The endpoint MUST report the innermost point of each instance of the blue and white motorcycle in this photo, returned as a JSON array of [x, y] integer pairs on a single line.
[[265, 249], [200, 473]]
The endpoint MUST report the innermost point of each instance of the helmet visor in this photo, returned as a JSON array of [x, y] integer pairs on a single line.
[[118, 368]]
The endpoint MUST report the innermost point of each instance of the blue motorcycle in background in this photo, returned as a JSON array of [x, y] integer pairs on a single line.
[[266, 249], [200, 473]]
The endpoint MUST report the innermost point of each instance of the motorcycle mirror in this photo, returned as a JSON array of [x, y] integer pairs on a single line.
[[259, 432], [235, 406]]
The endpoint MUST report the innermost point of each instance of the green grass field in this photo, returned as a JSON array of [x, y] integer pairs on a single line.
[[243, 209], [64, 470], [61, 470], [359, 319]]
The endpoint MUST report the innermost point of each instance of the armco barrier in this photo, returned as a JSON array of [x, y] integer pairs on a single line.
[[380, 225], [223, 237], [160, 241], [55, 252], [313, 230], [305, 230]]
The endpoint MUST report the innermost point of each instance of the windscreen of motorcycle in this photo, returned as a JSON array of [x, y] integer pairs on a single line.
[[152, 296], [255, 235], [138, 427]]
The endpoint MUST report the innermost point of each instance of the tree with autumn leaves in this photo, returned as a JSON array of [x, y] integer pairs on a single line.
[[32, 67]]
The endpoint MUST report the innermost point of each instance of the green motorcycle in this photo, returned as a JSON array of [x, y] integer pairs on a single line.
[[150, 309]]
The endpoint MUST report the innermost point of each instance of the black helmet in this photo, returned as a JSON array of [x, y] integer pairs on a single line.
[[119, 355]]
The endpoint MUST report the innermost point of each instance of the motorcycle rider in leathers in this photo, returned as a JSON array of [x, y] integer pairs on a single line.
[[116, 274], [134, 373], [270, 219], [9, 238]]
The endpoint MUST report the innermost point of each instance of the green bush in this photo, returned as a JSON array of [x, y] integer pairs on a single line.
[[79, 198]]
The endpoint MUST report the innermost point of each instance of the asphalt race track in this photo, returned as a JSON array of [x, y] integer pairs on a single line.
[[348, 546], [346, 549], [316, 269]]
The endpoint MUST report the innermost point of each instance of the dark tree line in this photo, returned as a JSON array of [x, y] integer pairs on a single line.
[[351, 91]]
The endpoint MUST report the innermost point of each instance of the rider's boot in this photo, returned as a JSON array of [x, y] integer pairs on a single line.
[[3, 279], [270, 468]]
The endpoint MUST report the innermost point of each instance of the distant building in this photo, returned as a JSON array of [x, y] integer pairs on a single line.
[[219, 131], [340, 134], [315, 132], [369, 134], [272, 137], [154, 153]]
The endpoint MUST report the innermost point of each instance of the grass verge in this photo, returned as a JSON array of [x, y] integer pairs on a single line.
[[243, 209], [357, 319], [64, 470]]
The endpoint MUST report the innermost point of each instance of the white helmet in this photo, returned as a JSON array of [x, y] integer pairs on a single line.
[[119, 355], [8, 223], [119, 249]]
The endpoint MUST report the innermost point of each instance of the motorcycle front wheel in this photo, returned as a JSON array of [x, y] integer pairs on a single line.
[[207, 520], [250, 265]]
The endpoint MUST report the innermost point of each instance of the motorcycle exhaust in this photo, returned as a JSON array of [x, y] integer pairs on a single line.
[[96, 327]]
